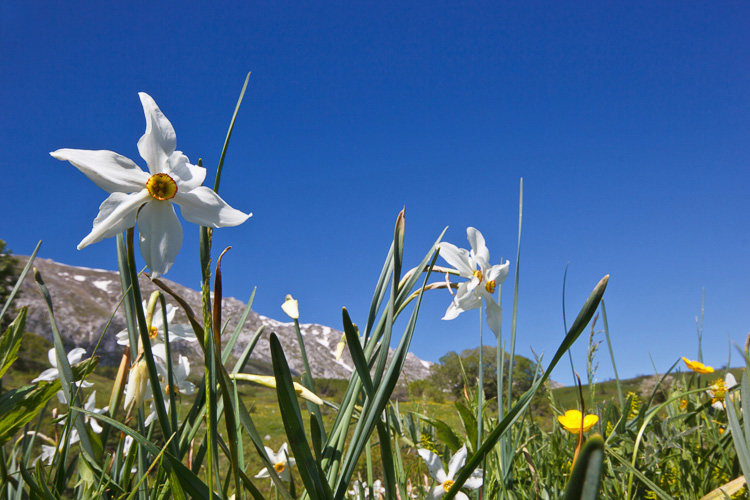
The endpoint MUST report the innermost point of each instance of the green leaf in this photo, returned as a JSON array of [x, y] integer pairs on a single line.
[[587, 472], [445, 432], [317, 489], [355, 349], [64, 370], [469, 420], [11, 341], [18, 407]]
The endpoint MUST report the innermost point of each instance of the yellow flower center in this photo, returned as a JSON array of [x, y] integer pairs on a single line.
[[279, 467], [174, 388], [153, 332], [478, 274], [162, 187], [490, 286], [447, 485]]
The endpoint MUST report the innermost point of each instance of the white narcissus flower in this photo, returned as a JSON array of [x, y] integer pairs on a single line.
[[176, 332], [49, 452], [180, 371], [281, 462], [146, 198], [445, 481], [53, 373], [474, 265]]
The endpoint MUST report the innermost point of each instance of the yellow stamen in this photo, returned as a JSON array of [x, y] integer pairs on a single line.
[[153, 332], [447, 485], [478, 274], [279, 467], [174, 388], [162, 187], [490, 286]]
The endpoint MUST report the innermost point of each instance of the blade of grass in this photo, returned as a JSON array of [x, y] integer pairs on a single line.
[[317, 489]]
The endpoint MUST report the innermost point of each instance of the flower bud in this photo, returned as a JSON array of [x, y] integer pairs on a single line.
[[290, 307], [137, 384]]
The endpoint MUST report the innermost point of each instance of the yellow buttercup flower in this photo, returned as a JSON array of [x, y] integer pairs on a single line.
[[571, 421], [697, 366]]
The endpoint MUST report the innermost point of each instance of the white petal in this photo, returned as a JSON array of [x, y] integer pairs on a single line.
[[468, 301], [52, 357], [458, 258], [204, 207], [48, 375], [436, 492], [95, 426], [263, 473], [159, 351], [112, 172], [433, 462], [271, 455], [61, 397], [187, 176], [730, 381], [461, 496], [186, 387], [478, 248], [182, 332], [498, 273], [76, 355], [116, 214], [90, 404], [171, 311], [161, 236], [123, 338], [283, 453], [458, 461], [475, 480], [453, 311], [494, 315], [159, 141]]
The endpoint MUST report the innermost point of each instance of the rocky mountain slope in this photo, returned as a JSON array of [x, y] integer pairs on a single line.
[[84, 299]]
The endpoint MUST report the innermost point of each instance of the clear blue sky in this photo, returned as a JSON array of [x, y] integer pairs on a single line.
[[627, 121]]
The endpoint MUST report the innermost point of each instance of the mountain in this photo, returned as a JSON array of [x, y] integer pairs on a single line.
[[84, 299]]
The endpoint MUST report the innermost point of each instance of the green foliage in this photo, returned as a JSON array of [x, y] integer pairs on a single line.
[[9, 273], [454, 371]]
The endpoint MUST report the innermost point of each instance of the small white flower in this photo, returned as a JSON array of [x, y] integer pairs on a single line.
[[147, 198], [483, 279], [445, 481], [281, 462], [176, 331], [48, 452], [53, 373], [180, 371]]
